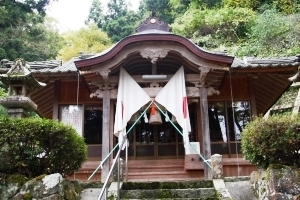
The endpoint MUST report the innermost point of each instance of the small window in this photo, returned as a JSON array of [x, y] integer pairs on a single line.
[[93, 125], [217, 122], [238, 118]]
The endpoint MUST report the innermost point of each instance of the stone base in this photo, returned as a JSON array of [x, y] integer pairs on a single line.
[[17, 112]]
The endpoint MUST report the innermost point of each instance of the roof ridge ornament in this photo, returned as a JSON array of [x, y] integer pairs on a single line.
[[153, 23]]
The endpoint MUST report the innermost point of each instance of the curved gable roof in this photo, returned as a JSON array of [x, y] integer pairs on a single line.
[[155, 36]]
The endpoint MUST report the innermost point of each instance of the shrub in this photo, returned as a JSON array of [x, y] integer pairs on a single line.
[[272, 141], [35, 146]]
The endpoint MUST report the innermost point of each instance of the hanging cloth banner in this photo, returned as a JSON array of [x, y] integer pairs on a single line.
[[173, 98], [131, 97]]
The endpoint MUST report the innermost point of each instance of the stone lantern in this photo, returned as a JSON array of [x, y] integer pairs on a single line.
[[20, 83]]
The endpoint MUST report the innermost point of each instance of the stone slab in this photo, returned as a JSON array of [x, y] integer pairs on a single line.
[[90, 194], [240, 190]]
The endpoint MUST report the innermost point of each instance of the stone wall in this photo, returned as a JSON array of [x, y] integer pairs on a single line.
[[45, 187], [277, 182]]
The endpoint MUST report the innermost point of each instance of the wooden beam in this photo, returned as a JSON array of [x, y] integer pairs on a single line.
[[275, 81], [138, 78]]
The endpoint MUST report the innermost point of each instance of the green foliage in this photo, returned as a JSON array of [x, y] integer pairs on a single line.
[[287, 6], [160, 8], [121, 27], [96, 15], [27, 196], [179, 6], [15, 178], [89, 40], [284, 6], [272, 34], [35, 146], [251, 4], [118, 22], [212, 28], [23, 32], [275, 140], [205, 3], [288, 97]]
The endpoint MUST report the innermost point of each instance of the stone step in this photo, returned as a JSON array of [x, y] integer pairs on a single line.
[[168, 190], [203, 193]]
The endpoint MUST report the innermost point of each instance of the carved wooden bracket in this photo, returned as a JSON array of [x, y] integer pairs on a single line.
[[102, 88], [211, 91], [99, 94], [105, 74], [154, 54], [154, 85], [203, 72], [194, 91]]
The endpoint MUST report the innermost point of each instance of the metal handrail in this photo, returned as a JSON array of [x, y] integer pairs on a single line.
[[105, 159], [116, 158], [120, 148], [111, 169]]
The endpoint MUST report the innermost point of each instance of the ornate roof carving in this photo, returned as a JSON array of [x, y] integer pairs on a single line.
[[153, 23]]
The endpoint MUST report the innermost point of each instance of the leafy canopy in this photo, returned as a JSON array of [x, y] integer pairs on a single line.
[[212, 28], [118, 22], [23, 32], [272, 34], [88, 40]]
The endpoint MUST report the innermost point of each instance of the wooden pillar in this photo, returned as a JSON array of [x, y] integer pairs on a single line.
[[104, 90], [105, 133], [205, 130]]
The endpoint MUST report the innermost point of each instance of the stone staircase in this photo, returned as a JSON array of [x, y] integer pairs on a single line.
[[203, 189]]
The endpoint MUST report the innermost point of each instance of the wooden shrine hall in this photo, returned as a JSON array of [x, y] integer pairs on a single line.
[[223, 94]]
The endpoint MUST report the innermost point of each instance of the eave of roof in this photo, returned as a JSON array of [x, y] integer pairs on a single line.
[[68, 67], [271, 62], [155, 36]]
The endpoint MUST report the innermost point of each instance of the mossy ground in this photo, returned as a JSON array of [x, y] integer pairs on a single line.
[[167, 185]]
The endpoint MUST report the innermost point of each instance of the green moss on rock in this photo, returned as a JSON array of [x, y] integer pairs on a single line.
[[164, 194], [17, 178], [27, 196], [40, 177], [167, 185]]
